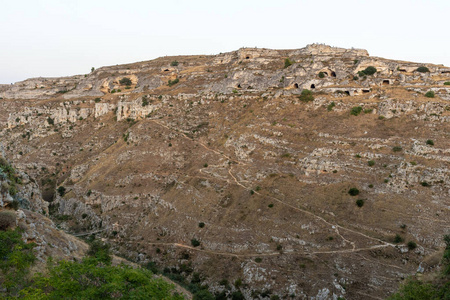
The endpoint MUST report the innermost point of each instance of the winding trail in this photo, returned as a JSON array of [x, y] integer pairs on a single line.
[[335, 227]]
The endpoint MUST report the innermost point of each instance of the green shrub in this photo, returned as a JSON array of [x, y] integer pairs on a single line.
[[429, 94], [61, 190], [371, 163], [258, 259], [360, 202], [125, 81], [113, 91], [356, 110], [397, 149], [368, 110], [367, 71], [411, 245], [321, 75], [174, 63], [201, 224], [7, 219], [288, 62], [306, 96], [97, 100], [173, 82], [430, 142], [447, 83], [353, 191], [398, 239], [50, 121], [425, 184], [195, 243], [16, 258], [422, 69], [331, 106], [144, 101], [270, 205]]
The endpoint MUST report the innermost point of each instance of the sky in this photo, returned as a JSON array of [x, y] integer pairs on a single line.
[[51, 38]]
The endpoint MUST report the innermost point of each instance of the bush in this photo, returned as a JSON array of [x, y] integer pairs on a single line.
[[422, 69], [447, 83], [195, 243], [173, 82], [61, 191], [331, 106], [430, 142], [258, 259], [50, 121], [174, 63], [397, 149], [424, 183], [371, 163], [97, 100], [411, 245], [429, 94], [7, 219], [306, 96], [125, 81], [353, 191], [201, 224], [356, 110], [367, 71], [144, 101], [398, 239], [321, 75], [287, 62]]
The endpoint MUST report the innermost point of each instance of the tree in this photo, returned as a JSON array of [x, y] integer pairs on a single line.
[[125, 81], [423, 69], [92, 69]]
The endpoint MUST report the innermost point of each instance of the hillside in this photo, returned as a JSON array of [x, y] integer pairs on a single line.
[[227, 166]]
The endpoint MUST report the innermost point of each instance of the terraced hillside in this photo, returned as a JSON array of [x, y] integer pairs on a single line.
[[296, 173]]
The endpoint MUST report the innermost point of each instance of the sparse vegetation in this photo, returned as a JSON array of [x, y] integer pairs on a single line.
[[195, 243], [174, 63], [429, 94], [423, 69], [50, 121], [321, 75], [411, 245], [201, 224], [398, 239], [173, 82], [288, 62], [397, 149], [430, 142], [353, 191], [61, 191], [331, 106], [447, 83], [360, 202], [367, 71], [356, 110], [125, 81], [371, 163], [97, 100], [7, 219], [306, 96]]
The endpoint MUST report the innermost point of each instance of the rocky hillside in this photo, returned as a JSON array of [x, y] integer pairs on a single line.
[[313, 173]]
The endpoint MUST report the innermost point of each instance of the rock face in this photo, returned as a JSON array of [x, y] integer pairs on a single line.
[[219, 163]]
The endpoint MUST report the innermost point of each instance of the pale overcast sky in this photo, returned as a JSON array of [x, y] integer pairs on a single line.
[[61, 37]]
